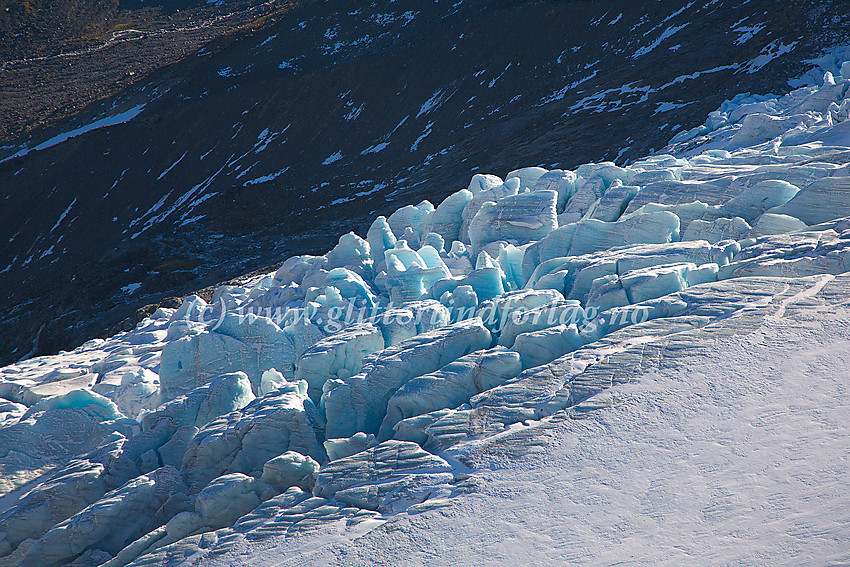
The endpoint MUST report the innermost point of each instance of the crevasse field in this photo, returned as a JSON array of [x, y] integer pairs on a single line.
[[638, 365]]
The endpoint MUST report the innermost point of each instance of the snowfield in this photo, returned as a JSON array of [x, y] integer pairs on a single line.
[[735, 456], [641, 364]]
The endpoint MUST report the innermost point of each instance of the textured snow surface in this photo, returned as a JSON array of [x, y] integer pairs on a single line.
[[637, 364], [736, 456]]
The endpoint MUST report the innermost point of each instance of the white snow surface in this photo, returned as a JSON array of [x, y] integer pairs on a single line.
[[738, 457]]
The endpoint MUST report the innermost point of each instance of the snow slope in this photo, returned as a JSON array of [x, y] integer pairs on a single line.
[[634, 364], [737, 456]]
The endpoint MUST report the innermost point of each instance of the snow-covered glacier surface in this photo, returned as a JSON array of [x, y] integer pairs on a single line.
[[634, 363]]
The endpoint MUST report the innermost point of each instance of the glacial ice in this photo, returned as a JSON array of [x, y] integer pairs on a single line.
[[447, 218], [351, 286], [574, 276], [64, 493], [294, 269], [450, 386], [610, 206], [821, 201], [607, 171], [591, 235], [86, 400], [773, 223], [51, 433], [561, 181], [486, 282], [271, 380], [409, 217], [110, 523], [380, 238], [290, 469], [487, 194], [717, 230], [520, 219], [360, 404], [537, 348], [402, 323], [339, 448], [409, 274], [375, 478], [247, 343], [499, 311], [483, 182], [755, 200], [138, 392], [222, 395], [339, 356], [562, 312], [192, 309], [352, 252], [650, 283], [190, 361], [583, 200], [244, 440], [347, 374], [528, 176], [227, 498]]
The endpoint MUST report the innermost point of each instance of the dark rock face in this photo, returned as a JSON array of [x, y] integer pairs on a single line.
[[57, 56], [279, 136]]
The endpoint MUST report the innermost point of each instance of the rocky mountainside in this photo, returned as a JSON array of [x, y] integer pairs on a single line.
[[58, 56], [297, 122]]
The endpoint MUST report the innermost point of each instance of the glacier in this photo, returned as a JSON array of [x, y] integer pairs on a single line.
[[363, 387]]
